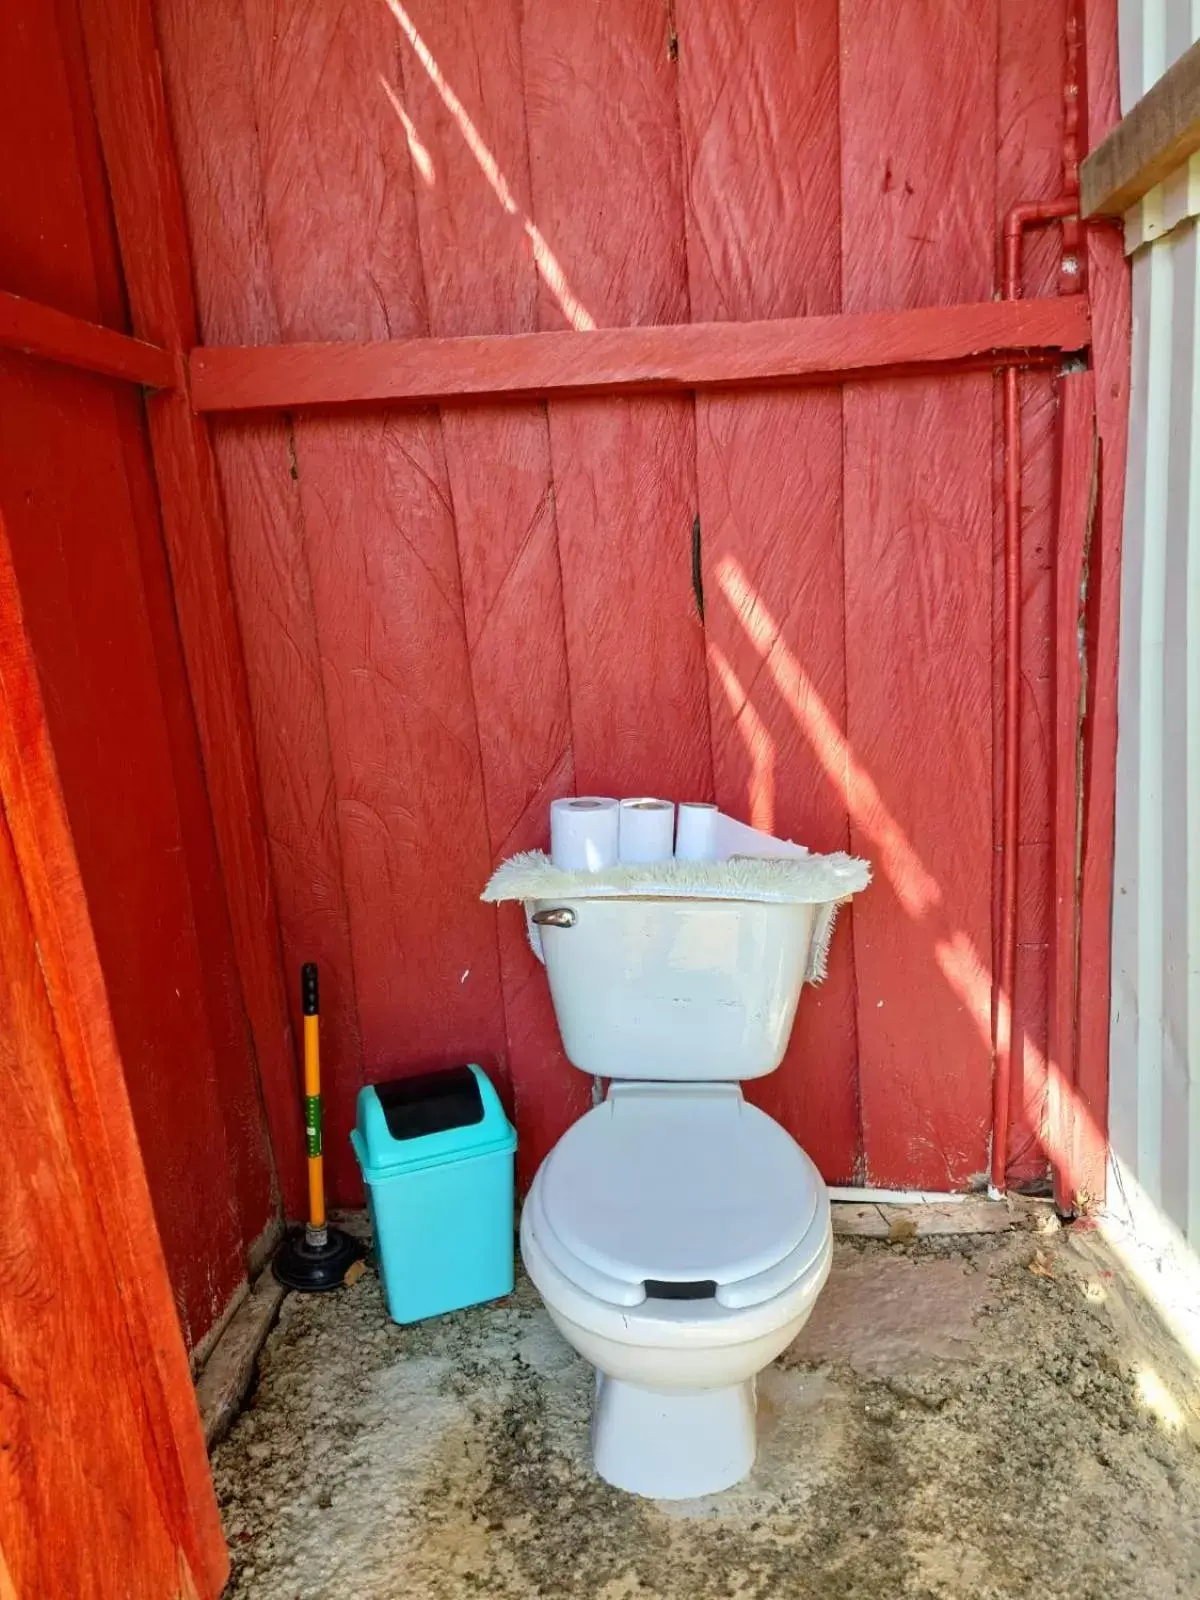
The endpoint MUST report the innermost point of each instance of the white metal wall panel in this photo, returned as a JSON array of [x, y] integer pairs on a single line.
[[1154, 1106], [1153, 34]]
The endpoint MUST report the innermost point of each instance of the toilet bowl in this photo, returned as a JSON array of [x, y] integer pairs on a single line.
[[678, 1236]]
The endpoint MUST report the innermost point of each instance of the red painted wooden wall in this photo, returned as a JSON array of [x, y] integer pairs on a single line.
[[78, 500], [451, 616]]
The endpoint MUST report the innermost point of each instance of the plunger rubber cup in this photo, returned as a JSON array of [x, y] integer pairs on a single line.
[[315, 1260]]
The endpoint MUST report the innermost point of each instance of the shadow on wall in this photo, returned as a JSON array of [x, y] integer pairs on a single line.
[[577, 314], [963, 967]]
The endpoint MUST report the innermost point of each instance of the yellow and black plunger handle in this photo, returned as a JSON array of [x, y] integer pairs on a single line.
[[311, 1006]]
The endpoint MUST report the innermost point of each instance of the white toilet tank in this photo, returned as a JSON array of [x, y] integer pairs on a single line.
[[683, 990]]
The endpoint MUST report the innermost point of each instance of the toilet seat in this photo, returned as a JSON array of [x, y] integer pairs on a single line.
[[687, 1188]]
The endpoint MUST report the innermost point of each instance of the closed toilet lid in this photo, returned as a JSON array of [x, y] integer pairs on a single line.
[[678, 1187]]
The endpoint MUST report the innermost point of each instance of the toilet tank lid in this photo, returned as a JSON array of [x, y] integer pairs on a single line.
[[680, 1184]]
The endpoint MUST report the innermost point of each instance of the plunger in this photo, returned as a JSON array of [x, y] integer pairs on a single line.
[[314, 1258]]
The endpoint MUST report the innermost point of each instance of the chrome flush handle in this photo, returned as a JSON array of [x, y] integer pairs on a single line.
[[557, 917]]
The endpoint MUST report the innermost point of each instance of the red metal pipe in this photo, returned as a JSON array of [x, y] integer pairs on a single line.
[[1018, 219]]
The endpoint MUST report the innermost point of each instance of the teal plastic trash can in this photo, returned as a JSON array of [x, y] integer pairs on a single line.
[[436, 1153]]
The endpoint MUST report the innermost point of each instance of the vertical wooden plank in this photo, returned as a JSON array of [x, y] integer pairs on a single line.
[[381, 548], [83, 599], [1109, 291], [1076, 507], [208, 78], [918, 201], [1029, 166], [98, 1421], [460, 99], [131, 117], [247, 1140], [607, 206], [769, 471]]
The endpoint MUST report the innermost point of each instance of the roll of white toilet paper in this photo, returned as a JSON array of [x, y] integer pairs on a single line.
[[707, 834], [738, 839], [647, 830], [697, 832], [584, 833]]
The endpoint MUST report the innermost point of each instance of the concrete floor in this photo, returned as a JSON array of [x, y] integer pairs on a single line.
[[980, 1418]]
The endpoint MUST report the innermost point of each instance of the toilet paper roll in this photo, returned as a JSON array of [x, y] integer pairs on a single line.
[[647, 830], [737, 839], [584, 833], [707, 834], [697, 832]]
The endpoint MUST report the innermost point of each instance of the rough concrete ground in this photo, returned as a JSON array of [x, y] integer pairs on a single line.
[[978, 1418]]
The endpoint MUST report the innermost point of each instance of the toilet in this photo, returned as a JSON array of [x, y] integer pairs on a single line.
[[677, 1234]]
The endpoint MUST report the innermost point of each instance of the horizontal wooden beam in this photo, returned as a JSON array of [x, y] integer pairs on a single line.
[[38, 330], [1158, 135], [709, 355]]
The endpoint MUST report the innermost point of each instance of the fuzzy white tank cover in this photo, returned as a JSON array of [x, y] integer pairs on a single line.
[[821, 881]]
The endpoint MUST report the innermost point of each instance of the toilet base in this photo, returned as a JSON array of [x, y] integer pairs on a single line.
[[672, 1446]]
